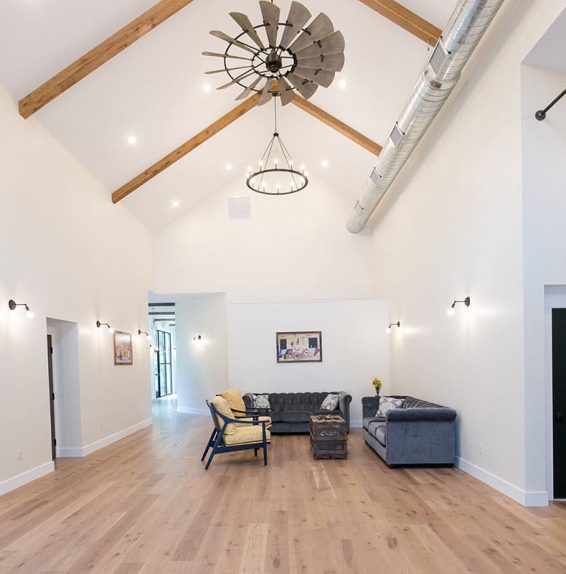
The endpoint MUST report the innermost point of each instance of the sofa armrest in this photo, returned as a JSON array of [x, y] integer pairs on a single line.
[[423, 414], [369, 406], [344, 401]]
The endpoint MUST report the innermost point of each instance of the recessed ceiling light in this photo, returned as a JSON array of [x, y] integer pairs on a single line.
[[206, 87], [229, 167], [325, 163], [342, 83], [175, 203], [132, 140]]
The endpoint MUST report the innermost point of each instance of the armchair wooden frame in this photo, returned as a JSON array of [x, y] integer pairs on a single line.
[[216, 440]]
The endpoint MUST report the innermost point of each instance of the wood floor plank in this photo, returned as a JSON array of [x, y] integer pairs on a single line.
[[146, 505]]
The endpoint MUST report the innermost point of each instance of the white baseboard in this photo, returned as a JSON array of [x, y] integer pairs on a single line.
[[108, 440], [25, 477], [356, 424], [193, 411], [526, 498], [65, 452]]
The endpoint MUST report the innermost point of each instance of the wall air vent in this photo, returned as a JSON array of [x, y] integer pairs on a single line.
[[438, 57], [396, 135]]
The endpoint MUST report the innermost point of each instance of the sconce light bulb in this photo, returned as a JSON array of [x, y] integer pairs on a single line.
[[388, 330], [450, 311], [110, 329], [30, 314]]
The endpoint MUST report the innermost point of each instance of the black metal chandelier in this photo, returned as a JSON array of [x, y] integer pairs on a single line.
[[276, 173], [299, 57]]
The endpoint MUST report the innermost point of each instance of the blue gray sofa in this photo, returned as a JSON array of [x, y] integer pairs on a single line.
[[418, 433], [290, 412]]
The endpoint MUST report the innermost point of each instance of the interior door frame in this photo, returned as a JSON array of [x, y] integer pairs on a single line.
[[51, 395]]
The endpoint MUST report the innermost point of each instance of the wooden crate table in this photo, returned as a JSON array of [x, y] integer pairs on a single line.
[[329, 436]]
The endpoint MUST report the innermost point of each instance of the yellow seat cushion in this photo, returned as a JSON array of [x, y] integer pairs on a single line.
[[260, 419], [223, 407], [246, 434], [234, 399]]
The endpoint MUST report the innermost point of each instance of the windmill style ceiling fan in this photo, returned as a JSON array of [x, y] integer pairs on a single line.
[[288, 57]]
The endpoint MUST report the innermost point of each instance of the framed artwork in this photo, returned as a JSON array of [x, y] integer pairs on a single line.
[[299, 347], [123, 354]]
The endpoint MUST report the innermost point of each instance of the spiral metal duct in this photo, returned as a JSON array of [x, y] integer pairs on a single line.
[[467, 25]]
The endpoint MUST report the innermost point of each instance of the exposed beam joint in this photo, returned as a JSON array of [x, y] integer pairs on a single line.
[[185, 148], [338, 125], [408, 20], [92, 60]]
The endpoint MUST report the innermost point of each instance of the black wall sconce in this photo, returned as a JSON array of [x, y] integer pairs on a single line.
[[99, 324], [451, 310], [197, 338], [541, 114], [13, 306], [140, 332], [398, 324]]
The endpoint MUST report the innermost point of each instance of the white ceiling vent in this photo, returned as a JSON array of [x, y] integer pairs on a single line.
[[239, 208]]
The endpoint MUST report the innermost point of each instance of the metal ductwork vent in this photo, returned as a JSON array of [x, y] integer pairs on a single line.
[[467, 25]]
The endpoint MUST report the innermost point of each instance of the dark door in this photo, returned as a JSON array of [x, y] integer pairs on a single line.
[[559, 400], [51, 394]]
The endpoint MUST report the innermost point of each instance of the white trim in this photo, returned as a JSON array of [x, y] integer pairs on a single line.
[[97, 445], [356, 424], [532, 498], [192, 411], [72, 452], [25, 477]]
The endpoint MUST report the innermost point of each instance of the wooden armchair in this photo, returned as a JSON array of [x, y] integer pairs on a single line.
[[231, 434]]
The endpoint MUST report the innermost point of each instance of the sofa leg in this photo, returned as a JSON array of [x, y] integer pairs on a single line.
[[264, 454], [209, 460], [208, 444]]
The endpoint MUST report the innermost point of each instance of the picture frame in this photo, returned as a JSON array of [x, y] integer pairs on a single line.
[[298, 346], [123, 352]]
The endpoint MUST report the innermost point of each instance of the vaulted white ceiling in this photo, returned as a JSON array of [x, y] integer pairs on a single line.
[[154, 91]]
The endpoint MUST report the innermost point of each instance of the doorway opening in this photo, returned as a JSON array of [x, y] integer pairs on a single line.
[[62, 339], [162, 320]]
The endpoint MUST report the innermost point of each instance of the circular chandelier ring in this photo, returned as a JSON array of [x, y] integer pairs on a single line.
[[262, 172]]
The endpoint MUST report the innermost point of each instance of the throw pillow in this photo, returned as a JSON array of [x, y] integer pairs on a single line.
[[329, 403], [386, 404], [261, 401]]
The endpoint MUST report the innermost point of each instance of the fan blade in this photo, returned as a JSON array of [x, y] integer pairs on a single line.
[[333, 63], [227, 70], [297, 18], [285, 91], [304, 87], [249, 88], [320, 77], [245, 24], [218, 55], [319, 28], [333, 44], [236, 80], [270, 13], [265, 94], [226, 38]]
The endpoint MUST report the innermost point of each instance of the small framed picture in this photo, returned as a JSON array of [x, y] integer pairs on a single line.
[[299, 347], [123, 354]]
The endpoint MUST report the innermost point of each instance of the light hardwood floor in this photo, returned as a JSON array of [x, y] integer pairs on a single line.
[[146, 505]]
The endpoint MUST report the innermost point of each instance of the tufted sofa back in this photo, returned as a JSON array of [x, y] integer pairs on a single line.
[[296, 401]]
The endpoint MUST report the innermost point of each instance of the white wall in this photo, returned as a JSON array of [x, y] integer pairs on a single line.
[[544, 197], [71, 255], [355, 348], [295, 248], [452, 227], [202, 367]]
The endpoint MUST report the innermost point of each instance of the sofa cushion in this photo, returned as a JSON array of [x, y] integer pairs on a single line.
[[289, 416], [329, 403], [222, 406], [368, 420], [246, 434], [377, 430], [388, 403]]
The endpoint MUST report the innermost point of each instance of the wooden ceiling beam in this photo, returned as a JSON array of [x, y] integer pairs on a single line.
[[408, 20], [93, 59], [185, 148], [336, 124]]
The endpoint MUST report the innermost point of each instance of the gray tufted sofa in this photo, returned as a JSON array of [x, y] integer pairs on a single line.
[[290, 411], [418, 433]]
